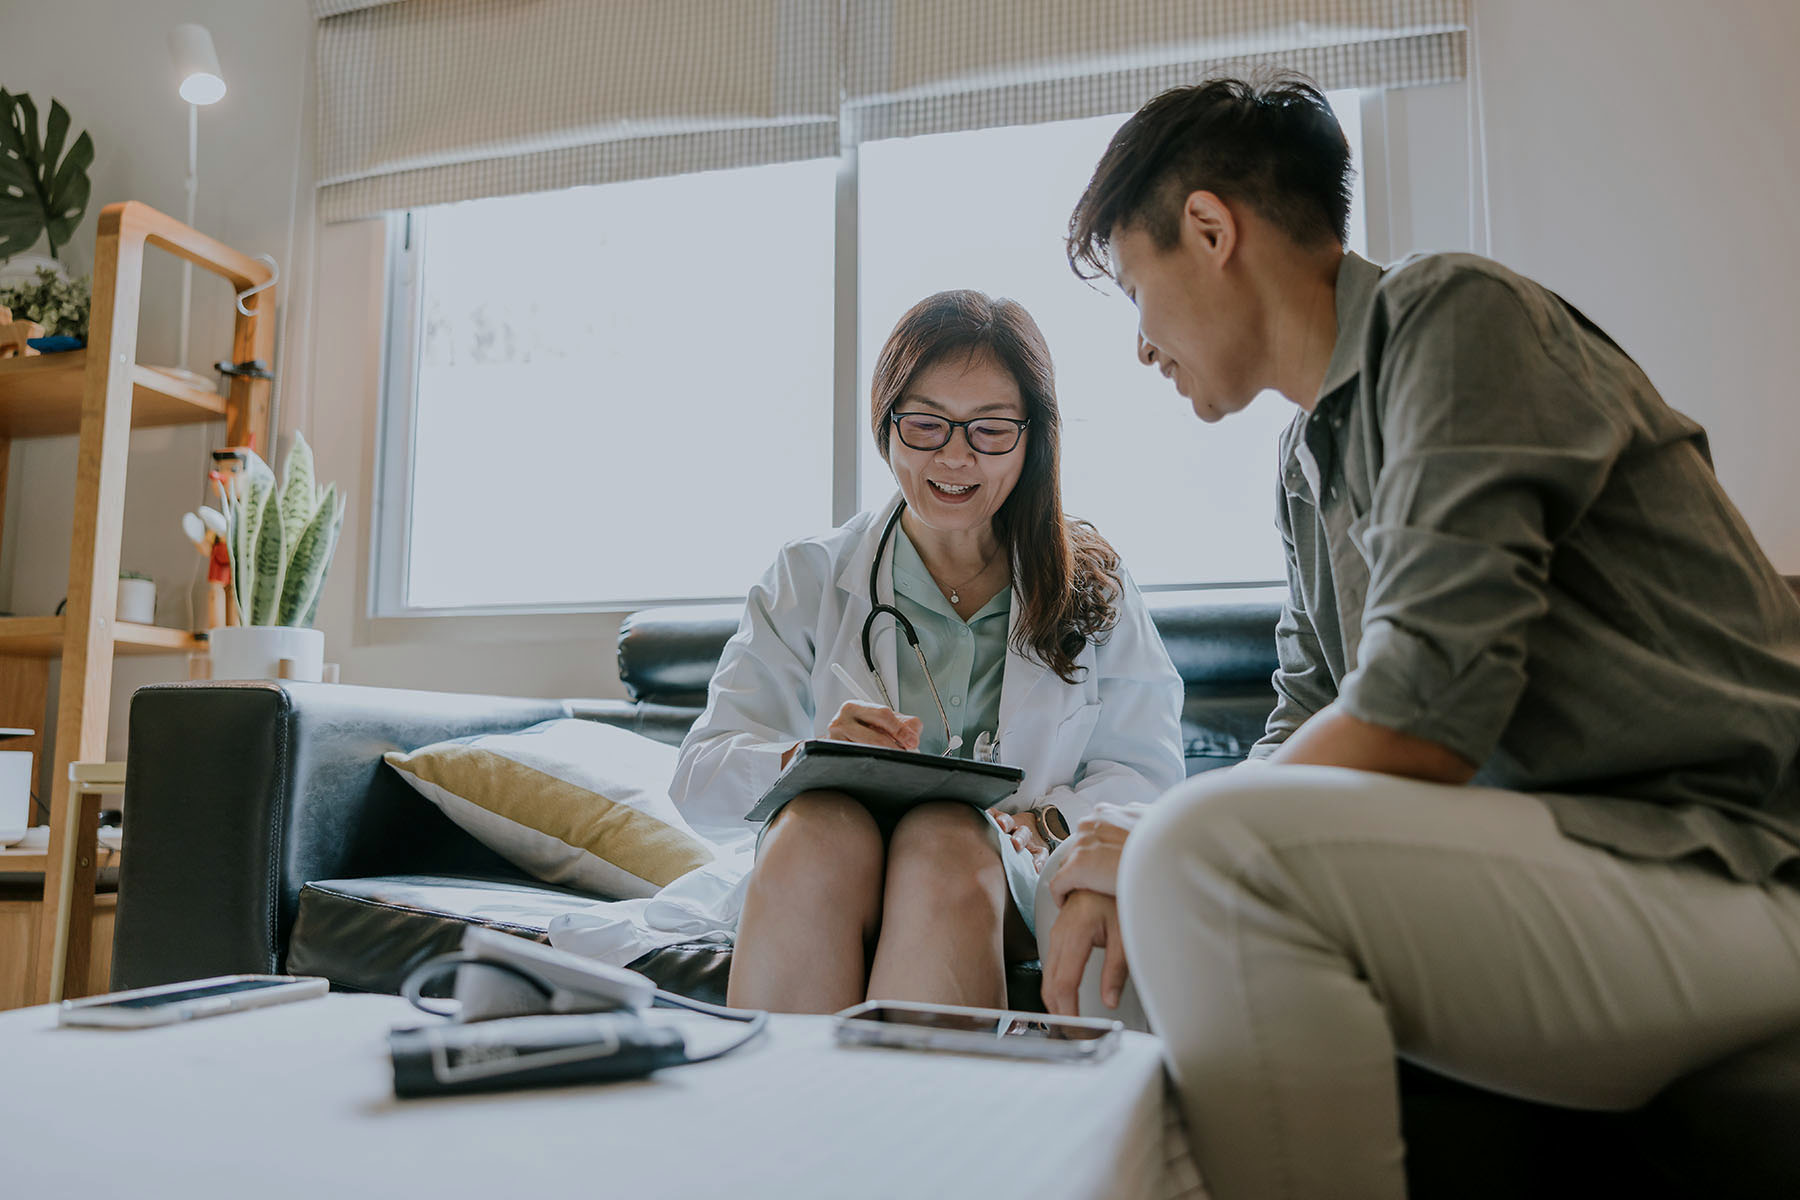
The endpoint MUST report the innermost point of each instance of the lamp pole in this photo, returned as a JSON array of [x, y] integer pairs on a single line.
[[197, 67], [193, 191]]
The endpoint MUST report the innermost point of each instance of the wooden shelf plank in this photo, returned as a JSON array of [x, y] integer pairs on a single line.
[[129, 638], [42, 637], [40, 396], [17, 860]]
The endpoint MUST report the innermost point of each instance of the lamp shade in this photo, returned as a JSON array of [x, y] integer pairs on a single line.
[[196, 64]]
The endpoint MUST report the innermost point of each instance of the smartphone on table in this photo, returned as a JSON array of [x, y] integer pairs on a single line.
[[909, 1025], [171, 1002]]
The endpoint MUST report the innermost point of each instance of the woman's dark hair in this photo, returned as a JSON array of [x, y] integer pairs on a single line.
[[1273, 145], [1066, 574]]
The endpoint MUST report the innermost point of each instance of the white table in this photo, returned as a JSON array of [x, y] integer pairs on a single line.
[[297, 1101]]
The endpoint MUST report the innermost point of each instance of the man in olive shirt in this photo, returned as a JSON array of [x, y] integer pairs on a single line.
[[1527, 809]]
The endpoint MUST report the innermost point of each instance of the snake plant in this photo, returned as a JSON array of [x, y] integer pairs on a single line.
[[281, 538]]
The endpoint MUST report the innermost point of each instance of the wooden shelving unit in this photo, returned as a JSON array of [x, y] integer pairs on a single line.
[[41, 397], [101, 394], [43, 637]]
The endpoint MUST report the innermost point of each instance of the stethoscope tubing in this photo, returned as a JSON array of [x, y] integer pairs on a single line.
[[900, 620]]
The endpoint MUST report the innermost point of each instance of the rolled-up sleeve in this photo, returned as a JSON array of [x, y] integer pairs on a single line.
[[1494, 445]]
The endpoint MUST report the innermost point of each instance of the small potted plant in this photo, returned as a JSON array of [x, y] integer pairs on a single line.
[[44, 189], [60, 305], [281, 540]]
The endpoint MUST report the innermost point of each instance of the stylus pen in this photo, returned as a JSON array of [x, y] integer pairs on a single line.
[[856, 692]]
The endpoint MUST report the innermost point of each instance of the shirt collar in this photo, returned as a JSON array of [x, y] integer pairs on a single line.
[[1356, 281], [913, 580]]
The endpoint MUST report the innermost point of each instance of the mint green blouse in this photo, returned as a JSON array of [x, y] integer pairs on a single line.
[[967, 658]]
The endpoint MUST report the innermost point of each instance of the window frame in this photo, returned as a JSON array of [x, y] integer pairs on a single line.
[[390, 541]]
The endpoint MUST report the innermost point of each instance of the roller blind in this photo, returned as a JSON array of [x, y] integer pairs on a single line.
[[428, 101], [917, 67]]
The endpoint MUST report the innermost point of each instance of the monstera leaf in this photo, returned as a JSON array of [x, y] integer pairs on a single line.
[[38, 193]]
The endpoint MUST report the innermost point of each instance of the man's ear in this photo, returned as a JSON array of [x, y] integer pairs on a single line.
[[1208, 225]]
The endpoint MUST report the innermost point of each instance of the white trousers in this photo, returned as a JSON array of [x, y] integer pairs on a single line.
[[1292, 929]]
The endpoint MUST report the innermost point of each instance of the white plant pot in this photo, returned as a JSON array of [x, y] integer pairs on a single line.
[[256, 651], [15, 795], [137, 601]]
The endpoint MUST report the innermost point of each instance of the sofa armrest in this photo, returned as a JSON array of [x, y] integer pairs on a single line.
[[239, 793], [667, 723]]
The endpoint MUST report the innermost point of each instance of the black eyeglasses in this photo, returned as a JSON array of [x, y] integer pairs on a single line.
[[986, 435]]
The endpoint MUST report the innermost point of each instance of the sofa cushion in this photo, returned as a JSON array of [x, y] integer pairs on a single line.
[[367, 935], [572, 802]]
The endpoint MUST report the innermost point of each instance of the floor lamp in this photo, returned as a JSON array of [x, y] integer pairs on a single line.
[[197, 67]]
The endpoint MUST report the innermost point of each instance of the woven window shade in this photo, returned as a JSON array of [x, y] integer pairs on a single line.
[[429, 101], [917, 67]]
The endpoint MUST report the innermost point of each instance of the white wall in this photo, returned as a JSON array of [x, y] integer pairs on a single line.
[[1640, 156], [108, 62], [1644, 160]]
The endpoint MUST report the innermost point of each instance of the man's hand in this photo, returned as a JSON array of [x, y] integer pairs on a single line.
[[1091, 860], [1087, 920]]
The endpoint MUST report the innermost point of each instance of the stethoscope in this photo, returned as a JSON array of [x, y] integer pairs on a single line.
[[906, 630]]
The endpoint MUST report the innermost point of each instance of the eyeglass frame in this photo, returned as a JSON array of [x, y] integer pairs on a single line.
[[1020, 424]]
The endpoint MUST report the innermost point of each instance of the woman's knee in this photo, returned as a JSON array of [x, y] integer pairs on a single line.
[[944, 855], [821, 843]]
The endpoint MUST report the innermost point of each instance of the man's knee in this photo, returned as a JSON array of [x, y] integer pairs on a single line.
[[1205, 835]]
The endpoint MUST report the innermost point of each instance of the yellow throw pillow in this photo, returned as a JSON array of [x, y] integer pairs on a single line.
[[573, 802]]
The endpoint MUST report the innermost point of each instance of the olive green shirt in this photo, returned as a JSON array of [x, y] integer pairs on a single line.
[[967, 658], [1500, 539]]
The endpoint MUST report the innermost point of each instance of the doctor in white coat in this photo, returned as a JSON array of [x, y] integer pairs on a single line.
[[1029, 632]]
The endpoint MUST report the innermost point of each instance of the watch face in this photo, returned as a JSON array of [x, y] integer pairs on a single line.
[[1055, 824]]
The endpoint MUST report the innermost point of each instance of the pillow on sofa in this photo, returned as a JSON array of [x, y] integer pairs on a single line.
[[573, 802]]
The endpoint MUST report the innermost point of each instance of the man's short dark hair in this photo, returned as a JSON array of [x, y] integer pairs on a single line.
[[1273, 145]]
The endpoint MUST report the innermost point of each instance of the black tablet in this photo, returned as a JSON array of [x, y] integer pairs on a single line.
[[886, 781]]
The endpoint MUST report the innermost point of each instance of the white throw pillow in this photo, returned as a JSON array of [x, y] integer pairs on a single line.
[[571, 801]]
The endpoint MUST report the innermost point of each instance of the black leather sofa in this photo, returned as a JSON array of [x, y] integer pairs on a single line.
[[265, 834]]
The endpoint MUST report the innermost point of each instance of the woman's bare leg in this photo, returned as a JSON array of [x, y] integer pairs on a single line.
[[947, 919], [812, 908]]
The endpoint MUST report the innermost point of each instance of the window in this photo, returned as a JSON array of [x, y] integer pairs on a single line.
[[629, 389], [618, 393]]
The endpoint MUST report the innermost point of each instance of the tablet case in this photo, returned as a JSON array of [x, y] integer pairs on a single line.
[[887, 782]]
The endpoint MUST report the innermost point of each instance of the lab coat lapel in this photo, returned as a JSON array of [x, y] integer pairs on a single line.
[[1017, 680]]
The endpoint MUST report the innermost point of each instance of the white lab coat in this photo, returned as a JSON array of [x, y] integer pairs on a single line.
[[1114, 736]]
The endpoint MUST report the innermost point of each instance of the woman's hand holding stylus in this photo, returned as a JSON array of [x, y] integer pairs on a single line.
[[875, 725]]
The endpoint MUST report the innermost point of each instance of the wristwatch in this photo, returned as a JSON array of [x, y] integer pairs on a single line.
[[1052, 826]]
